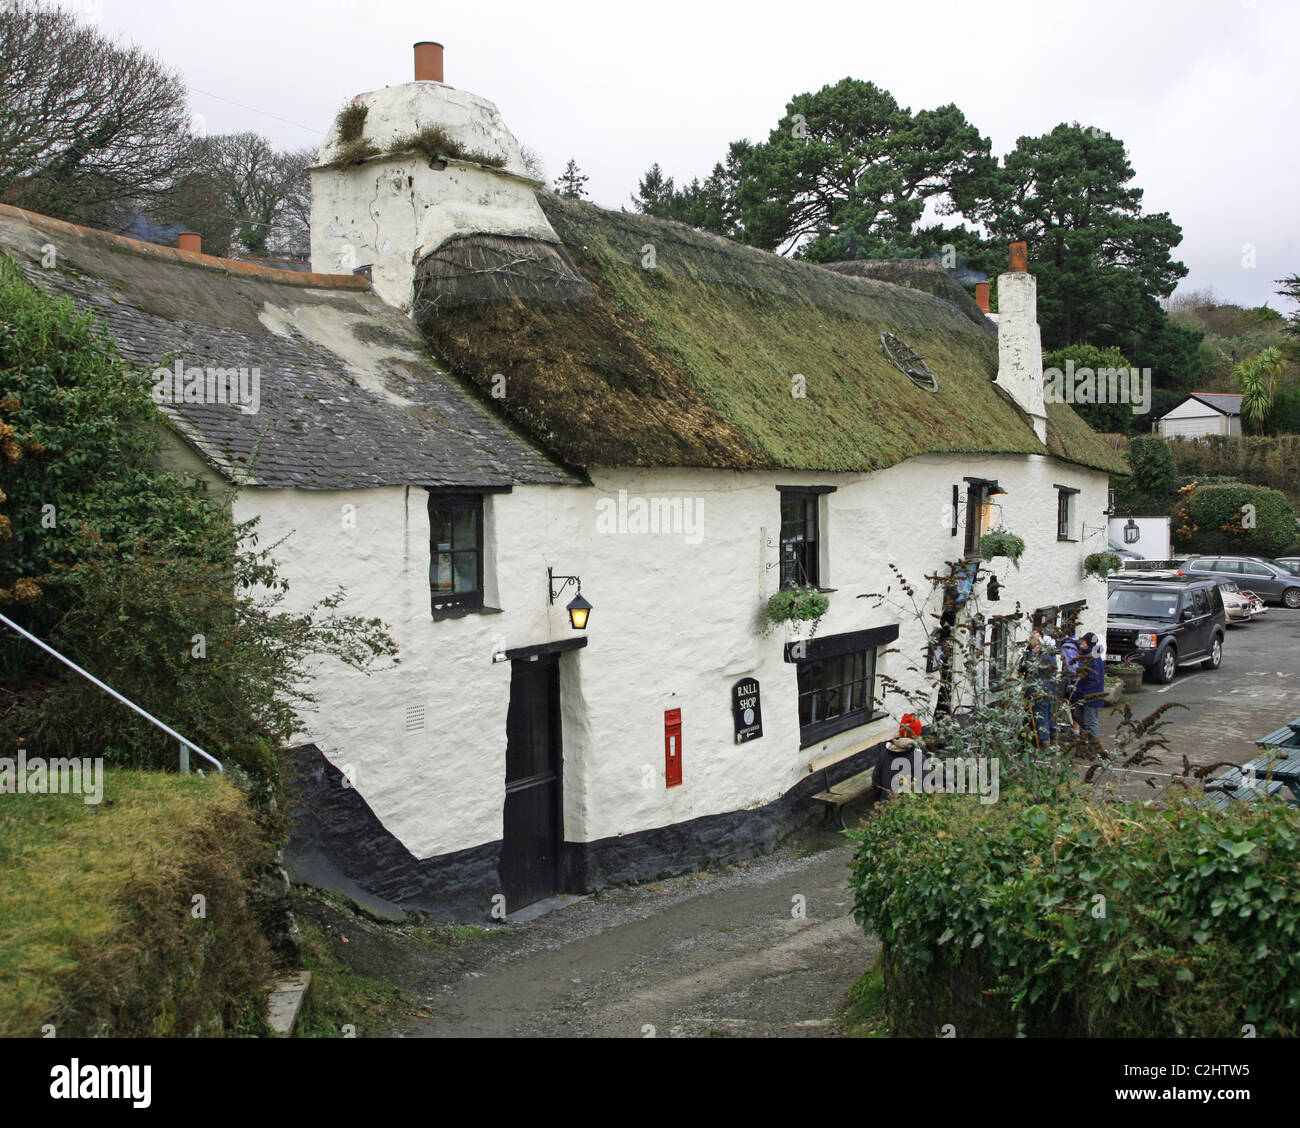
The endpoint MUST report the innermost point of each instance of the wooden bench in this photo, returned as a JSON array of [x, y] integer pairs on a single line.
[[837, 795]]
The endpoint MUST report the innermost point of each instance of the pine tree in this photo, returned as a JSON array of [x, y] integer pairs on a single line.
[[569, 183]]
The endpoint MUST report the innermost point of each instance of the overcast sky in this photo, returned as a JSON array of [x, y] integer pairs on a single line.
[[1204, 93]]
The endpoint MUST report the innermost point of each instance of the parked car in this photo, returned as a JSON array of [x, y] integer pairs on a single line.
[[1124, 553], [1237, 606], [1267, 580], [1164, 623]]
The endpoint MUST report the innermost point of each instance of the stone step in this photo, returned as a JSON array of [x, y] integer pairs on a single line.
[[285, 1002]]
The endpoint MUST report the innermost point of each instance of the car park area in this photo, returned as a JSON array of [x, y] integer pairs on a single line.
[[1254, 691]]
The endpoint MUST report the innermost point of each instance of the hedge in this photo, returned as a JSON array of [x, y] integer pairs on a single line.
[[1075, 918]]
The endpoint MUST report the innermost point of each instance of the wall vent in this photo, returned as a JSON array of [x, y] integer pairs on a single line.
[[415, 718]]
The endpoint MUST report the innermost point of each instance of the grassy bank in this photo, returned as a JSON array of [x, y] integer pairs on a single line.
[[131, 917]]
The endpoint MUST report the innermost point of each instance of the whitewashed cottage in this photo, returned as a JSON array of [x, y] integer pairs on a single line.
[[496, 401]]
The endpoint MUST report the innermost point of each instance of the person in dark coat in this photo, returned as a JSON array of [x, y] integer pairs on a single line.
[[1038, 670], [1089, 686]]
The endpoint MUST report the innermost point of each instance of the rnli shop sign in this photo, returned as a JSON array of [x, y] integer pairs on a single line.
[[745, 709]]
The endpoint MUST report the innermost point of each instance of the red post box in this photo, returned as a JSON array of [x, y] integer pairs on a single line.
[[672, 747]]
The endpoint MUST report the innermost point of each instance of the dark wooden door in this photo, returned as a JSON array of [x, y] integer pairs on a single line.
[[533, 813]]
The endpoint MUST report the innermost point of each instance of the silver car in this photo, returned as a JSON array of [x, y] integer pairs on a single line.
[[1269, 581]]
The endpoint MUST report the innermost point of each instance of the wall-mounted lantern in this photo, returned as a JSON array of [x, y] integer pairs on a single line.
[[578, 608], [1132, 534]]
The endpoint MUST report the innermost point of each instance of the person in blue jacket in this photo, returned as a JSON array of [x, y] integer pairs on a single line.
[[1089, 683]]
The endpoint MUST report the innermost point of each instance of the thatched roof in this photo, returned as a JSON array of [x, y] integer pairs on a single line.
[[692, 361], [350, 396]]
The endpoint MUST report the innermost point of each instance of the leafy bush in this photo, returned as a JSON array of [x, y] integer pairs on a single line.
[[1116, 418], [1153, 485], [1251, 520], [1070, 917]]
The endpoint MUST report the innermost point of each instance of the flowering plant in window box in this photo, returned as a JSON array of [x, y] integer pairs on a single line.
[[1101, 564], [796, 605], [1002, 543]]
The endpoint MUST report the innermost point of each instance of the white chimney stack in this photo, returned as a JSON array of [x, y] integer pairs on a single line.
[[407, 169], [1020, 347]]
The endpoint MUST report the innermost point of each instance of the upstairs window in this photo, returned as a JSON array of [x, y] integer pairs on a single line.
[[979, 513], [801, 535], [1065, 496], [455, 552]]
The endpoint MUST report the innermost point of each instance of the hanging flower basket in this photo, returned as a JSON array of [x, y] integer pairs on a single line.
[[1101, 564], [1002, 543], [797, 605]]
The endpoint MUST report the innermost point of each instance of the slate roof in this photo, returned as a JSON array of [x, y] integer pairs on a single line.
[[683, 349], [350, 396], [1224, 402]]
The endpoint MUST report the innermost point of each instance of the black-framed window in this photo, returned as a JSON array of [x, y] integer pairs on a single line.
[[835, 694], [977, 500], [1001, 634], [455, 552], [1044, 619], [1071, 616], [836, 681], [800, 536], [1065, 512]]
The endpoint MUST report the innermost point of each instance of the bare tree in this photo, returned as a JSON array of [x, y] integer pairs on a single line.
[[86, 124], [534, 165], [243, 195]]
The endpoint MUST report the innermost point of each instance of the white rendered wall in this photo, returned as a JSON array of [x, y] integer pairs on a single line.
[[675, 625]]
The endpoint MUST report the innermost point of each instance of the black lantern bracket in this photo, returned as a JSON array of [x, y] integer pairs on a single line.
[[554, 593]]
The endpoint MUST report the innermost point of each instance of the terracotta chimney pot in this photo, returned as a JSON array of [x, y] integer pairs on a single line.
[[1020, 256], [982, 296], [428, 61], [190, 241]]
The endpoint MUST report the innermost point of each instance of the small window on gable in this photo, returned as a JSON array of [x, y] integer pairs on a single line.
[[455, 552]]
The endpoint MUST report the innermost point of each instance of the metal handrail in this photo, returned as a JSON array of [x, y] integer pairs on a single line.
[[186, 745]]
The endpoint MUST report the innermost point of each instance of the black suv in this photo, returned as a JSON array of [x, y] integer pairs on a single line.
[[1165, 623]]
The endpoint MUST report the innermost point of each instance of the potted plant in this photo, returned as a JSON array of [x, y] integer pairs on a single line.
[[1101, 564], [1002, 543], [797, 605], [1130, 674]]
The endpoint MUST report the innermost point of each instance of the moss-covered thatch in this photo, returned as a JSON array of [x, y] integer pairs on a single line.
[[696, 351], [916, 274]]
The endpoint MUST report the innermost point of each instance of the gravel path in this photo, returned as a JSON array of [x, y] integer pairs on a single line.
[[733, 954]]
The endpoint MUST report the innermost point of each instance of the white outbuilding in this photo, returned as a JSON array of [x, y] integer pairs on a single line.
[[1200, 414]]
